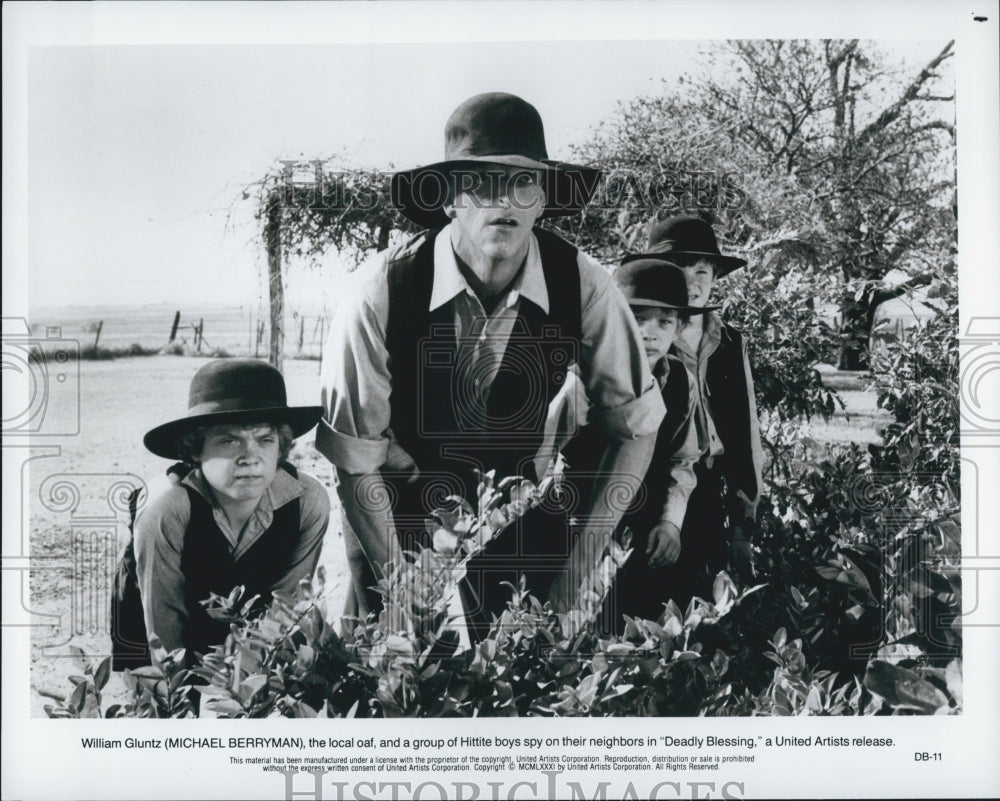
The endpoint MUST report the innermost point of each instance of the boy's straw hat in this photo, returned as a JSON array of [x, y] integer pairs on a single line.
[[232, 391]]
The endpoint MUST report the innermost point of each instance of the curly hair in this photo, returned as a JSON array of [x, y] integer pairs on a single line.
[[193, 441]]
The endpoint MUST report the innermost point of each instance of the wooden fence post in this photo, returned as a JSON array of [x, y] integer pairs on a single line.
[[322, 339], [276, 291], [97, 338], [173, 328]]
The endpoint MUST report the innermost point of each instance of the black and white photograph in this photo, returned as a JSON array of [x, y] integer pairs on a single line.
[[478, 400]]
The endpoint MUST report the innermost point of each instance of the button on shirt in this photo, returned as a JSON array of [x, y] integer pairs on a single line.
[[357, 376], [482, 337]]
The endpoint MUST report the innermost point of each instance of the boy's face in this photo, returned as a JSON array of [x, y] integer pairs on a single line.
[[240, 461], [658, 327], [700, 277]]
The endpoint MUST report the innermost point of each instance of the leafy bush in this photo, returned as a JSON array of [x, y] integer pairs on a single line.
[[160, 691], [852, 611], [777, 311], [290, 661], [180, 349], [860, 547]]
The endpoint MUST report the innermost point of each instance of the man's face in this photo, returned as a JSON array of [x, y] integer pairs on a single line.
[[658, 327], [494, 211], [240, 462], [700, 277]]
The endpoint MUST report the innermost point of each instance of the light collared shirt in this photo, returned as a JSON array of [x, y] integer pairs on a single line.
[[696, 362], [357, 377], [161, 526]]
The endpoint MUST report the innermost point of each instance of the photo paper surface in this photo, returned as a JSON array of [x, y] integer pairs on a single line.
[[144, 150]]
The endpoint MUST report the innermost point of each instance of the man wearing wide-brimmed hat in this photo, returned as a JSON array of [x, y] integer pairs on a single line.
[[446, 356], [241, 515], [722, 507]]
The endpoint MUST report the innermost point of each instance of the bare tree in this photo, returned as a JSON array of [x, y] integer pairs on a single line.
[[872, 150], [804, 154]]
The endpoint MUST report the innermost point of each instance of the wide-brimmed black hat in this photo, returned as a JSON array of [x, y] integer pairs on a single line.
[[493, 128], [230, 391], [649, 282], [684, 238]]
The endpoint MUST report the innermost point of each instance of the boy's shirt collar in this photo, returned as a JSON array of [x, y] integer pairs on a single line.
[[283, 489], [661, 370], [711, 336]]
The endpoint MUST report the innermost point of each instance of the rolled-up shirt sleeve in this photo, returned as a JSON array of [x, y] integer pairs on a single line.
[[566, 415], [159, 543], [355, 377], [625, 401]]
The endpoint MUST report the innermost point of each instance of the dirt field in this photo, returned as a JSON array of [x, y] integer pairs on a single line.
[[75, 541]]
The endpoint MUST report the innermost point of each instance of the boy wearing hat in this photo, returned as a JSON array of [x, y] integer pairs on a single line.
[[241, 516], [444, 360], [722, 506], [657, 295]]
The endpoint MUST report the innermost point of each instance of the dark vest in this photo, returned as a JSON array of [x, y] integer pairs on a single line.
[[430, 416], [208, 567], [729, 405], [645, 511]]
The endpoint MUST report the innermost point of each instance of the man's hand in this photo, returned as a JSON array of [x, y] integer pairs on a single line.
[[664, 546], [618, 476], [584, 557]]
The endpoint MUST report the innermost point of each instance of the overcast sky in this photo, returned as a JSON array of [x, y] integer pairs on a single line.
[[136, 154]]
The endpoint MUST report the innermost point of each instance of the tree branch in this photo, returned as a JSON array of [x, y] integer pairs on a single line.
[[883, 294], [889, 115]]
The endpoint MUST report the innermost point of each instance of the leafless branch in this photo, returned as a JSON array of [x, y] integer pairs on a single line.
[[889, 115]]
